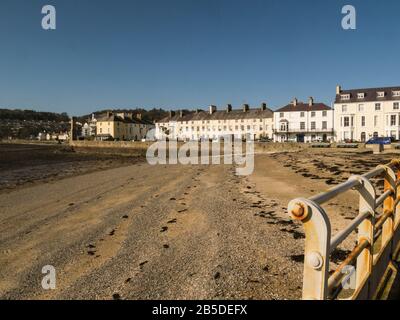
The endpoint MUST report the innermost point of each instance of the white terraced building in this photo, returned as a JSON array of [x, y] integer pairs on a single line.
[[361, 114], [303, 122], [216, 124]]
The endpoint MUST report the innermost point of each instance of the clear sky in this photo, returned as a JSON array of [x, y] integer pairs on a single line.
[[179, 54]]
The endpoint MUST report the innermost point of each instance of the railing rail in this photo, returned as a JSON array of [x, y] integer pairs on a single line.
[[378, 237]]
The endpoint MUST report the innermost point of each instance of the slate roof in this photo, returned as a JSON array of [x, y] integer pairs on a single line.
[[370, 95], [201, 115], [112, 117], [300, 107]]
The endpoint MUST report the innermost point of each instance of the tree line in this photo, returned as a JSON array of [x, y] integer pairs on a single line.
[[31, 115]]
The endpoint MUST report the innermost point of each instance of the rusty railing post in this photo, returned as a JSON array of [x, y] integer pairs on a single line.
[[396, 213], [366, 231], [317, 247], [388, 204]]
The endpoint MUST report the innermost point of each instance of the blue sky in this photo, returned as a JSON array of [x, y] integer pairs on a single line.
[[191, 53]]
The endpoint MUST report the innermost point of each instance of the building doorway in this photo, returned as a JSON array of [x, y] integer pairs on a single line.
[[300, 138]]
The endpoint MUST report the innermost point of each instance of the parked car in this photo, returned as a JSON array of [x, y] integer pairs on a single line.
[[380, 140]]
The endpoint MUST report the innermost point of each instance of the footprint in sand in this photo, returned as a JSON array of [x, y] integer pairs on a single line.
[[172, 221], [163, 229], [91, 252], [141, 265], [116, 296]]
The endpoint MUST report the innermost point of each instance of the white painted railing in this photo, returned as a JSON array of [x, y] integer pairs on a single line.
[[378, 238]]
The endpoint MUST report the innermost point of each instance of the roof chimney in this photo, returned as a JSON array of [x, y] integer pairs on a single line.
[[138, 116], [338, 89], [229, 108], [121, 115], [311, 101], [181, 113], [295, 101], [246, 107], [171, 113], [263, 106], [212, 109]]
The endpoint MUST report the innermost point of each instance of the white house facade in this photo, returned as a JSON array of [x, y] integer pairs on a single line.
[[304, 122], [361, 114], [217, 124]]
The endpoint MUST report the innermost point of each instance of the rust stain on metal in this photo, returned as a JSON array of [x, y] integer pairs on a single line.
[[299, 211]]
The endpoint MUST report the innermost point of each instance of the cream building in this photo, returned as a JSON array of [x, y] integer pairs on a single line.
[[361, 114], [216, 124], [122, 126], [303, 122]]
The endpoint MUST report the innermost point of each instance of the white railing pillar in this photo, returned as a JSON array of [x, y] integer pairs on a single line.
[[317, 230]]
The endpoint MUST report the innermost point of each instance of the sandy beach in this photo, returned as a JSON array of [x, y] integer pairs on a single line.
[[119, 228]]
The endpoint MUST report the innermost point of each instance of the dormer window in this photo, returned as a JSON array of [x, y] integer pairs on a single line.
[[380, 94], [345, 96], [396, 93], [361, 95]]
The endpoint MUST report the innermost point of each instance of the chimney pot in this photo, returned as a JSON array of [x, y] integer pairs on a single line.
[[212, 109], [311, 101], [263, 106], [246, 107], [295, 101], [338, 89], [229, 108]]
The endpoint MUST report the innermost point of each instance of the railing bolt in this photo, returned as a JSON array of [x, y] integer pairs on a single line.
[[314, 259], [298, 211]]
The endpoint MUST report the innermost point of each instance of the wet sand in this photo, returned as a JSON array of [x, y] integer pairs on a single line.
[[23, 165]]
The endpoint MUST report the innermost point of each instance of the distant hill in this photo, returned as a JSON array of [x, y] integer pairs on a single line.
[[27, 115], [26, 124]]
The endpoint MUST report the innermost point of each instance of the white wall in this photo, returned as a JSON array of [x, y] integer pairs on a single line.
[[376, 121], [294, 120], [214, 129]]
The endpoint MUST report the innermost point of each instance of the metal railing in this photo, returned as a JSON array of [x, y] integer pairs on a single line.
[[378, 237], [305, 130]]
